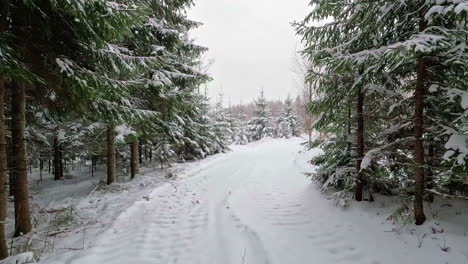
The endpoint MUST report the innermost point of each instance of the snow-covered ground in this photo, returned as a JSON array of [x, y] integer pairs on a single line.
[[253, 206]]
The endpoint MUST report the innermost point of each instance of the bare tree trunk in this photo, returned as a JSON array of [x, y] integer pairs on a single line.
[[92, 166], [41, 167], [11, 175], [349, 127], [110, 155], [360, 145], [140, 153], [134, 159], [146, 152], [4, 5], [3, 187], [421, 79], [430, 171], [20, 162], [60, 162], [419, 216], [57, 160]]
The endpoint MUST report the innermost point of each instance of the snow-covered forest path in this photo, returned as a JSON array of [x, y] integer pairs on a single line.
[[251, 206]]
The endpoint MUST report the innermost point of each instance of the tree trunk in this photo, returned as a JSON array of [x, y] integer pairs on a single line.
[[92, 166], [421, 79], [151, 153], [60, 162], [349, 128], [360, 145], [57, 160], [41, 166], [110, 155], [140, 153], [11, 176], [4, 5], [3, 187], [20, 162], [146, 152], [134, 159], [430, 171]]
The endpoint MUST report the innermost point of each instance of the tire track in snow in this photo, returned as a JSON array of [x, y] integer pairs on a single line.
[[172, 226], [284, 217]]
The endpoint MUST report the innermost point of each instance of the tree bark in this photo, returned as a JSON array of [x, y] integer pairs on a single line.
[[140, 153], [110, 155], [92, 166], [134, 164], [430, 171], [41, 167], [421, 80], [60, 162], [349, 128], [146, 152], [3, 187], [20, 162], [11, 176], [360, 146], [57, 160]]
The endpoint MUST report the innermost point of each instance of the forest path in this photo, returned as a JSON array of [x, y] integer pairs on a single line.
[[250, 206]]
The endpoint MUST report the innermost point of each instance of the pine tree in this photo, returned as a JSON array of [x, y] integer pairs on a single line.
[[260, 125], [400, 54], [241, 136], [288, 125]]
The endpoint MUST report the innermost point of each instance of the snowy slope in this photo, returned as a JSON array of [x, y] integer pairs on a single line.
[[255, 206]]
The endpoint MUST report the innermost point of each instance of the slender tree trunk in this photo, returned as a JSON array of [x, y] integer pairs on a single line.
[[49, 163], [419, 94], [134, 159], [349, 127], [60, 160], [20, 162], [57, 160], [146, 152], [110, 155], [3, 187], [360, 145], [92, 166], [151, 153], [430, 171], [11, 175], [140, 153], [41, 166], [4, 5]]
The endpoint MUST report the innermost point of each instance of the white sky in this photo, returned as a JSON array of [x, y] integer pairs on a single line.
[[252, 44]]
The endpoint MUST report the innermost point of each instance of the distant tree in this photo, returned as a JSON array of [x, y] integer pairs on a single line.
[[260, 125], [289, 124]]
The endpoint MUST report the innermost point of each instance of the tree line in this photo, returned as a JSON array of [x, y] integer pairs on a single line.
[[261, 118], [389, 87]]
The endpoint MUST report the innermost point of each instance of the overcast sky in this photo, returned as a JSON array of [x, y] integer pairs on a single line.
[[252, 44]]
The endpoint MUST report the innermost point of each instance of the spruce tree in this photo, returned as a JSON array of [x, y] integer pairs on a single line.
[[260, 125], [398, 54], [289, 123]]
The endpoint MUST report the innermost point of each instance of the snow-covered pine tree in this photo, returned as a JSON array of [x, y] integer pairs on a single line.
[[289, 123], [393, 67], [260, 125], [241, 136], [222, 121]]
